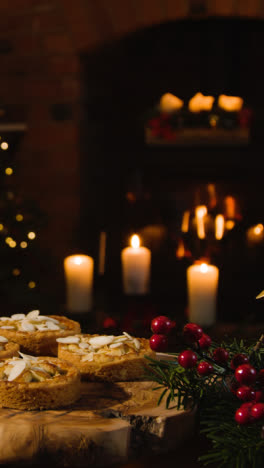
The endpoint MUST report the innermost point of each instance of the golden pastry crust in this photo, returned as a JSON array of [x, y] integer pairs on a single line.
[[106, 365], [10, 349], [41, 343], [56, 392]]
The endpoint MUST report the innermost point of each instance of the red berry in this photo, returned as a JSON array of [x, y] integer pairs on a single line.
[[162, 325], [109, 323], [242, 415], [159, 343], [261, 377], [205, 341], [192, 332], [220, 355], [205, 368], [245, 374], [246, 393], [257, 411], [259, 396], [187, 359], [238, 360]]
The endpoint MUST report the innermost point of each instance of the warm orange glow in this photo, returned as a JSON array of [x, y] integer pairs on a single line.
[[4, 145], [170, 103], [199, 103], [1, 227], [258, 229], [31, 284], [230, 207], [180, 251], [9, 171], [23, 245], [31, 235], [185, 221], [219, 226], [135, 241], [230, 224], [230, 103], [12, 244], [200, 212], [19, 217], [16, 272]]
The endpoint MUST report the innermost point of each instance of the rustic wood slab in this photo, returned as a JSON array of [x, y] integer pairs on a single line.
[[110, 424]]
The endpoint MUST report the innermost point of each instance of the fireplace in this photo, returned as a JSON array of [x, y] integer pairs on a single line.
[[129, 186]]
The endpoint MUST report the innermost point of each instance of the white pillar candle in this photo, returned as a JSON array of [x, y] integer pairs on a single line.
[[202, 286], [78, 271], [136, 261]]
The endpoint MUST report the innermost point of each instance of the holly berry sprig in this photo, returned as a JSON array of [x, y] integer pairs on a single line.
[[237, 370]]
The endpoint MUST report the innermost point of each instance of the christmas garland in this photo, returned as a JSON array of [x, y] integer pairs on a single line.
[[224, 382]]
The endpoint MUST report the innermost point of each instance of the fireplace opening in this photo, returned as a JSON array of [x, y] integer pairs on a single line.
[[129, 186]]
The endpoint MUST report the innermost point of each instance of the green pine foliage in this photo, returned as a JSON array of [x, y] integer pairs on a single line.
[[232, 445]]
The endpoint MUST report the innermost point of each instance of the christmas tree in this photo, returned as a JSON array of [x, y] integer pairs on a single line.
[[21, 260]]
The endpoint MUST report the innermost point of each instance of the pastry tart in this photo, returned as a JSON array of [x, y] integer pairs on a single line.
[[36, 334], [8, 348], [106, 357], [31, 383]]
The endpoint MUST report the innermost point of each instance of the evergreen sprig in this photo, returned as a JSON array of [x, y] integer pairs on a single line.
[[232, 445]]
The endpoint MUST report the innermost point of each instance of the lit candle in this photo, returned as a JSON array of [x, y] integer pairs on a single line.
[[202, 285], [255, 234], [136, 261], [185, 221], [78, 271], [200, 213], [199, 103], [219, 226], [170, 103], [230, 103]]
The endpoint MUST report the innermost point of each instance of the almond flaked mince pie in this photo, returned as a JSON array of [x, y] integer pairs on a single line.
[[106, 357], [8, 348], [36, 334], [30, 382]]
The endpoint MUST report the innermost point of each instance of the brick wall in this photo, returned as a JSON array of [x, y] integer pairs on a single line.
[[40, 41]]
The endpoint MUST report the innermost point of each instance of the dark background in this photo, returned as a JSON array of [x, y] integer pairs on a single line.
[[121, 82]]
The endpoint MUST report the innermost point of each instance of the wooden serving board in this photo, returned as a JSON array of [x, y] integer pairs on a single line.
[[110, 424]]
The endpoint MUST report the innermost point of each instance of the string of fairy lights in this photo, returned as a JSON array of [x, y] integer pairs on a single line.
[[19, 218]]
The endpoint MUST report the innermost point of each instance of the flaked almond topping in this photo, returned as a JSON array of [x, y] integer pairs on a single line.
[[27, 326], [68, 339], [51, 325], [3, 339], [41, 327], [33, 314], [17, 370], [5, 318], [84, 345], [128, 336], [136, 343], [18, 316], [42, 318], [88, 357], [115, 345], [120, 338], [1, 348], [6, 327], [28, 356], [99, 341]]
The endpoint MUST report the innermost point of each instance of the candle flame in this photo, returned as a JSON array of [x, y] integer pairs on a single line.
[[135, 241], [219, 226], [200, 212], [258, 229], [204, 268], [230, 224], [77, 260]]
